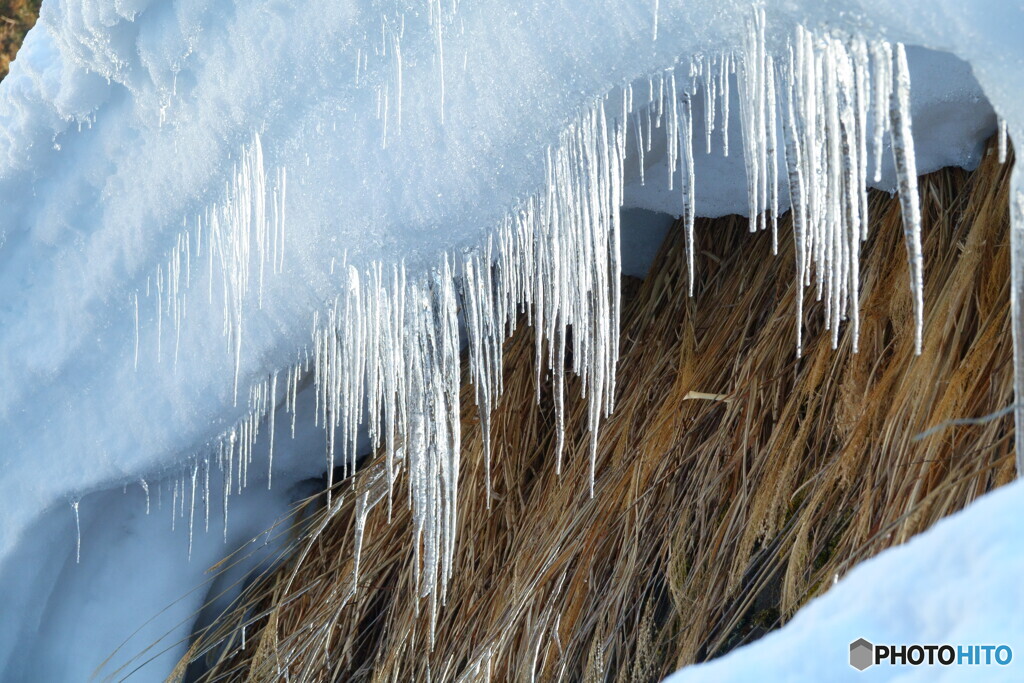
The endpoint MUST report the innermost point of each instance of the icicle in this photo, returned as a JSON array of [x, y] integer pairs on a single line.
[[723, 88], [295, 398], [192, 508], [672, 132], [174, 504], [78, 532], [1017, 310], [847, 163], [771, 150], [248, 224], [881, 56], [206, 494], [229, 459], [797, 190], [689, 185], [135, 302], [271, 414], [440, 56], [360, 527], [639, 135], [862, 93], [906, 174], [709, 101], [159, 312], [1001, 125]]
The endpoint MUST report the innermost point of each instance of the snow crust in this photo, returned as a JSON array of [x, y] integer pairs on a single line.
[[957, 583], [340, 135]]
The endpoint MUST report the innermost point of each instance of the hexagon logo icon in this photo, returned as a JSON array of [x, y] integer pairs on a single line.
[[862, 654]]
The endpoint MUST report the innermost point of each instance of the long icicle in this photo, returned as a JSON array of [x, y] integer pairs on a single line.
[[906, 174]]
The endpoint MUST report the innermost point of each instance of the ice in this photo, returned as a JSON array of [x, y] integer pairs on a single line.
[[78, 532], [1017, 309], [906, 174], [200, 197], [1001, 125]]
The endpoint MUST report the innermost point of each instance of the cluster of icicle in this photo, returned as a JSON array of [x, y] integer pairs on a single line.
[[387, 54], [243, 240], [822, 90], [391, 342]]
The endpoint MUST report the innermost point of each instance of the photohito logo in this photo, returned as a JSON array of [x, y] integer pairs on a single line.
[[864, 654]]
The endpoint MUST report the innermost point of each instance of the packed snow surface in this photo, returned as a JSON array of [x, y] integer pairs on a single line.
[[229, 225]]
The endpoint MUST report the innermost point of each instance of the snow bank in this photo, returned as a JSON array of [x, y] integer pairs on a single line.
[[957, 583]]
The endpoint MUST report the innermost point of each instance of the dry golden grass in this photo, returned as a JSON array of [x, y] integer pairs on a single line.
[[16, 18], [713, 520]]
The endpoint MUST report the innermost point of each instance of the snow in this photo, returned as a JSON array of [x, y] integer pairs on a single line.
[[116, 603], [957, 583], [208, 203], [142, 582]]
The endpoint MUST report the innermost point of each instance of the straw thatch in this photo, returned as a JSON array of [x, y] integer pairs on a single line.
[[734, 481]]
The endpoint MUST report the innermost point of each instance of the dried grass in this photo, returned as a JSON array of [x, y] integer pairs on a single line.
[[713, 520], [16, 18]]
